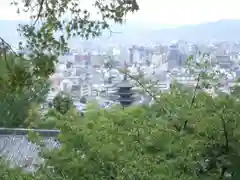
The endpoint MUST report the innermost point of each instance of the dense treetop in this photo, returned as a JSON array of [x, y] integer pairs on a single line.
[[171, 139]]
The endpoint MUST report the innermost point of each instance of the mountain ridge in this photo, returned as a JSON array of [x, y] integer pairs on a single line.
[[223, 30]]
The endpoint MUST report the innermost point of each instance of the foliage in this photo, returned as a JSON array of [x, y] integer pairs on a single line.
[[172, 139], [235, 91], [207, 74], [7, 173], [51, 119], [138, 143], [62, 102], [19, 88]]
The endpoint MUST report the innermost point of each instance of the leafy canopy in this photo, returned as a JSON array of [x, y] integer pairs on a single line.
[[62, 102], [150, 142]]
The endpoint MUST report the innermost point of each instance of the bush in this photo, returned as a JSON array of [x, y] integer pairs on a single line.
[[62, 102]]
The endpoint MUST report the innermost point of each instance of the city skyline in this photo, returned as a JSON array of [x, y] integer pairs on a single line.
[[158, 12]]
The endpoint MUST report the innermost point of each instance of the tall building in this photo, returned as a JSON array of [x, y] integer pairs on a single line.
[[175, 57], [131, 55], [156, 58]]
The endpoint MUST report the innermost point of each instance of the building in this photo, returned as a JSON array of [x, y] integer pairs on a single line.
[[175, 57]]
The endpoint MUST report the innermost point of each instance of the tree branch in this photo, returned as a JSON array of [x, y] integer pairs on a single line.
[[5, 47], [39, 12], [225, 134], [143, 87], [193, 98], [195, 91]]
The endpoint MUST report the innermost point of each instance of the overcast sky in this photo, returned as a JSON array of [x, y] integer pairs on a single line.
[[171, 12]]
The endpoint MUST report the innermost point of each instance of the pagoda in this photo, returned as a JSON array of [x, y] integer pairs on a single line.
[[125, 92]]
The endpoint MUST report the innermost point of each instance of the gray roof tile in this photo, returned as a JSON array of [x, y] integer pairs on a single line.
[[21, 152]]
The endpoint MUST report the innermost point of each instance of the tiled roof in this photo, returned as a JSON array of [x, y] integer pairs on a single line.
[[16, 148]]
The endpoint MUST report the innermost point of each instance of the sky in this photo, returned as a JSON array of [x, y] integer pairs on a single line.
[[167, 12]]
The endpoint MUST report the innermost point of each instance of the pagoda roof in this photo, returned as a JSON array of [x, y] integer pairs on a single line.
[[124, 84]]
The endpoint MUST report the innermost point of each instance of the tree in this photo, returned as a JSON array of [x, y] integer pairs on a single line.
[[144, 142], [20, 87], [62, 102], [175, 138]]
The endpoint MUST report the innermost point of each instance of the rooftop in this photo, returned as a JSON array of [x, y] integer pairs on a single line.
[[19, 151]]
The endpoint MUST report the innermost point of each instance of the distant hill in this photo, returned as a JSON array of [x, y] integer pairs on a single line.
[[224, 30]]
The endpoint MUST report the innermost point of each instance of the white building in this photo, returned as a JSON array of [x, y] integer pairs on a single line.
[[156, 59]]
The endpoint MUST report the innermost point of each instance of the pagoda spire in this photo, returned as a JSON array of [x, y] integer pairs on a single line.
[[125, 70]]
